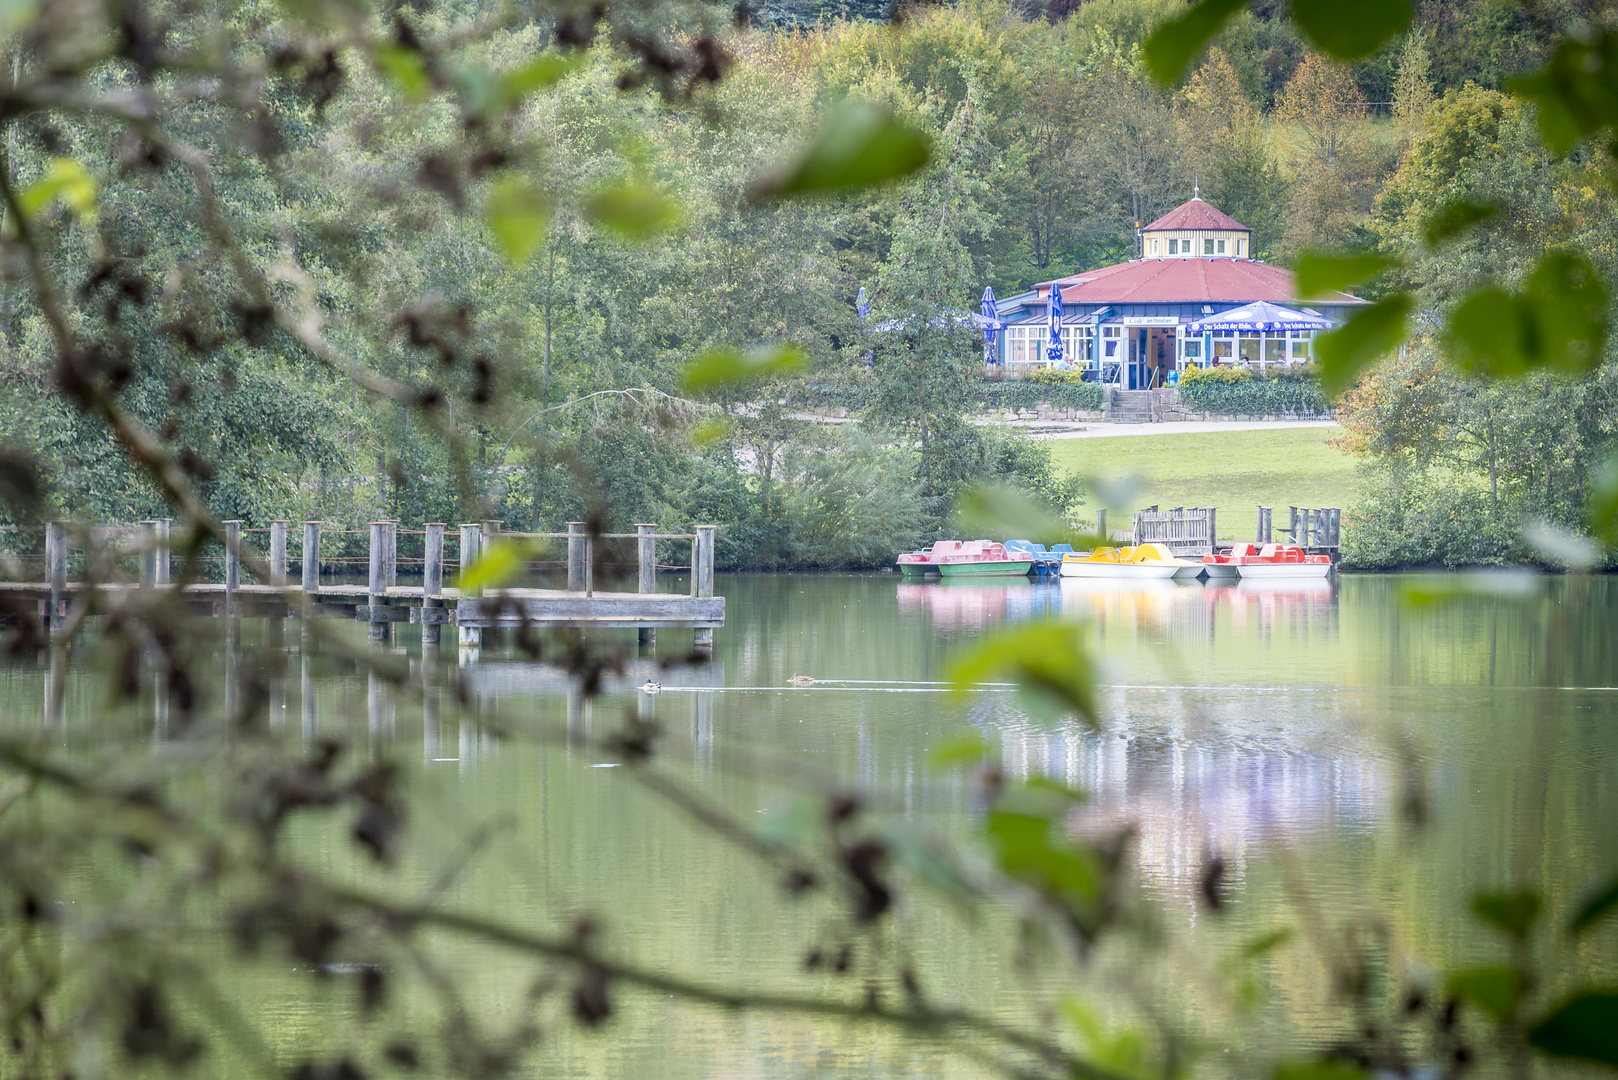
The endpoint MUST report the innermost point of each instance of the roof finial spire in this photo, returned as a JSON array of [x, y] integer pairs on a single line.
[[1196, 185]]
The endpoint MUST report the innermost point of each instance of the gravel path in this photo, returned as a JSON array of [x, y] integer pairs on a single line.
[[1101, 430]]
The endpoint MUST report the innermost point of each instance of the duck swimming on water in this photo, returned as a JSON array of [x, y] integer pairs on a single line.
[[801, 680], [651, 687]]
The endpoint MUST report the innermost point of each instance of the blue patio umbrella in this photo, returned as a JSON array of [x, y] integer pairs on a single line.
[[991, 327], [1053, 314]]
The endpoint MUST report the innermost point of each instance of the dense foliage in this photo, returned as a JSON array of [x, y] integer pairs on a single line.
[[1231, 391], [451, 262]]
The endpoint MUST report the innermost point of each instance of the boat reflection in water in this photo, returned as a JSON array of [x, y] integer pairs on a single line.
[[977, 605]]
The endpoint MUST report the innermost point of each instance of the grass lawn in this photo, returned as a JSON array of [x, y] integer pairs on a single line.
[[1235, 471]]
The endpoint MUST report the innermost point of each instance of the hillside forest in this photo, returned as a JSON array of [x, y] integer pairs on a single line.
[[554, 346]]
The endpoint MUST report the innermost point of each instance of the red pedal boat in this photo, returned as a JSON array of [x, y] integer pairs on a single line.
[[1280, 561]]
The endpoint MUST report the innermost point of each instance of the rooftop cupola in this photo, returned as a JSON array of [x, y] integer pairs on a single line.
[[1196, 230]]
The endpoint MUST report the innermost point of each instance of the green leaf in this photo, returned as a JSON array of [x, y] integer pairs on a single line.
[[1585, 1026], [1512, 912], [1432, 590], [1319, 273], [709, 431], [1351, 29], [1325, 1069], [634, 211], [1455, 218], [997, 510], [788, 823], [1048, 661], [517, 216], [67, 182], [1496, 990], [1598, 905], [1369, 335], [546, 71], [857, 146], [1558, 321], [1266, 943], [499, 564], [724, 367], [1023, 850], [1576, 90], [406, 67], [962, 750], [1602, 510], [1173, 45]]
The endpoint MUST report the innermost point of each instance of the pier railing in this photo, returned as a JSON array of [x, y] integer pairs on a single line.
[[384, 602]]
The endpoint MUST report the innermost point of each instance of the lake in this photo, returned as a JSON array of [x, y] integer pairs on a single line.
[[1361, 766]]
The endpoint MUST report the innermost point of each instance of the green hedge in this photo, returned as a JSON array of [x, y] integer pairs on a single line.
[[1237, 392], [1063, 390]]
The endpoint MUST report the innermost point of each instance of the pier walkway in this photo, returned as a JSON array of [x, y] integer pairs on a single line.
[[381, 601]]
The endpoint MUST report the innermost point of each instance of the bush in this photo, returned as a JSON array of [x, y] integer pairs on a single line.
[[1232, 391], [1061, 389], [1427, 521]]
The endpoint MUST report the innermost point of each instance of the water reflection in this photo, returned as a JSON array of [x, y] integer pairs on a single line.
[[1237, 720], [976, 605]]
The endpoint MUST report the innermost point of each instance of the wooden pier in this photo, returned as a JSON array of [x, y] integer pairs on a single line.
[[1192, 531], [381, 601]]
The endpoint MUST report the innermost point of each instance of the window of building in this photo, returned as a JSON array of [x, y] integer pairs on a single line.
[[1221, 247], [1174, 247], [1154, 247], [1241, 247], [1193, 349], [1207, 247]]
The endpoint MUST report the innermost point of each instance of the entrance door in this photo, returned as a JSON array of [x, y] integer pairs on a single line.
[[1158, 360]]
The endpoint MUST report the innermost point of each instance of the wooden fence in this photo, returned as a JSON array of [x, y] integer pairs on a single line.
[[1183, 531]]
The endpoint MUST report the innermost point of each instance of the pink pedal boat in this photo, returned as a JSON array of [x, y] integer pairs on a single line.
[[965, 558]]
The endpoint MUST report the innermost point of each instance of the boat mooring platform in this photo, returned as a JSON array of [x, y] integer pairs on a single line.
[[382, 602]]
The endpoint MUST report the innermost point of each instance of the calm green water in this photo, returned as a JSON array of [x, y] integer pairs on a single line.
[[1282, 729]]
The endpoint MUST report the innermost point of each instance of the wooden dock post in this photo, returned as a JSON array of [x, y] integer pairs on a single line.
[[160, 551], [278, 553], [311, 557], [432, 578], [471, 542], [702, 579], [646, 557], [1101, 525], [148, 554], [578, 557], [393, 553], [1213, 528], [233, 563], [1262, 536], [377, 580], [56, 568]]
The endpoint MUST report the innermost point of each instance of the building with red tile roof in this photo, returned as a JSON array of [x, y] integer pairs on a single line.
[[1120, 323]]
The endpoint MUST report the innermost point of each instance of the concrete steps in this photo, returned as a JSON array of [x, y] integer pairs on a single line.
[[1130, 407]]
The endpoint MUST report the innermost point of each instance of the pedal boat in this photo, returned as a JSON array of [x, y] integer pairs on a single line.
[[1278, 561], [1222, 568], [1144, 563], [982, 558]]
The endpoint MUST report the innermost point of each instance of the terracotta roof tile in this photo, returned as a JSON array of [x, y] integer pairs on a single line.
[[1195, 214], [1185, 281]]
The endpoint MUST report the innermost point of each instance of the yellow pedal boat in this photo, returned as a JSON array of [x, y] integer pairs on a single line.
[[1146, 562]]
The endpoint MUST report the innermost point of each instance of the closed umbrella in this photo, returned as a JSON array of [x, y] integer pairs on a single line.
[[1053, 315], [991, 327]]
